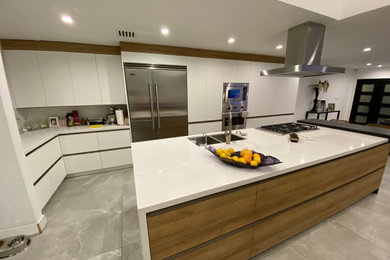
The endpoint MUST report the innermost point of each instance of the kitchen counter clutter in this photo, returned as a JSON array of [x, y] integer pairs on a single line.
[[191, 204], [32, 140]]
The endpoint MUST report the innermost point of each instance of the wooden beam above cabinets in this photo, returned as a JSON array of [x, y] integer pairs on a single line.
[[59, 46], [184, 51]]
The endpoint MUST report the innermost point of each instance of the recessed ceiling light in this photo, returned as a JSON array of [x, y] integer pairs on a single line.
[[380, 66], [231, 40], [165, 31], [369, 64], [67, 19], [367, 49], [279, 47]]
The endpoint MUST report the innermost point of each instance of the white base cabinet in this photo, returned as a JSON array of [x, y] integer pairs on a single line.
[[82, 162], [116, 158], [85, 152], [49, 183], [43, 158]]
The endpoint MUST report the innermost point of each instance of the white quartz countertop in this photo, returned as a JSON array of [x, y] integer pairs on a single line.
[[33, 139], [174, 170]]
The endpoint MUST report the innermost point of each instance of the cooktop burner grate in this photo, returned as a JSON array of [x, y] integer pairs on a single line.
[[287, 128]]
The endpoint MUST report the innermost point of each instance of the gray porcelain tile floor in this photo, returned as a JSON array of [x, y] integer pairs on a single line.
[[94, 217], [90, 217]]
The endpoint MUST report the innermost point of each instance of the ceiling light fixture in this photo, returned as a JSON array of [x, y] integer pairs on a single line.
[[279, 47], [165, 31], [67, 19], [369, 64], [380, 66], [231, 40], [367, 49]]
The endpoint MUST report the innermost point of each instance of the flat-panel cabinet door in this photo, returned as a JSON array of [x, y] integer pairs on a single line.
[[84, 78], [111, 79], [170, 88], [23, 72], [56, 78], [79, 143], [44, 189], [41, 159], [82, 162], [197, 96], [57, 174], [116, 158], [114, 139], [141, 103]]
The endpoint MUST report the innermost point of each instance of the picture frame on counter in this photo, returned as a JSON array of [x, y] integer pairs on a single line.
[[53, 121]]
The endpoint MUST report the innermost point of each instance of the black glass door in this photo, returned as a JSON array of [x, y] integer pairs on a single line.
[[371, 104]]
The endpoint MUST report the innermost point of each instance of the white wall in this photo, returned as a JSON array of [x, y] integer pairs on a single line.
[[340, 92], [373, 73], [19, 210], [205, 77]]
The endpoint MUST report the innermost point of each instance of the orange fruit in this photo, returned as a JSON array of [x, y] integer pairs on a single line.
[[247, 158], [246, 152]]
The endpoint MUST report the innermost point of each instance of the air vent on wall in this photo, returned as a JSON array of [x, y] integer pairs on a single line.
[[127, 34]]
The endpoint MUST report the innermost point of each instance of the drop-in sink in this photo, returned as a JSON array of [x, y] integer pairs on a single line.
[[213, 139]]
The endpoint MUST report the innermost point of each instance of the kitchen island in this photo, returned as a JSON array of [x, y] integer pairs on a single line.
[[193, 206]]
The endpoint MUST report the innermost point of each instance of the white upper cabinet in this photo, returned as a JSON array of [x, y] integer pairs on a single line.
[[111, 82], [196, 89], [215, 70], [25, 78], [84, 78], [56, 78]]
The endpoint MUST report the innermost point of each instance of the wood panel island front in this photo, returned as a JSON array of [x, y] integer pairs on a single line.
[[193, 206]]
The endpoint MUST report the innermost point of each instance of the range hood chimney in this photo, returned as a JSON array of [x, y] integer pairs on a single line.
[[303, 55]]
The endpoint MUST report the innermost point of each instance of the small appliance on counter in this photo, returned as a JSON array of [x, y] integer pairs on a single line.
[[69, 119], [111, 118], [76, 117], [120, 118], [95, 121], [234, 106]]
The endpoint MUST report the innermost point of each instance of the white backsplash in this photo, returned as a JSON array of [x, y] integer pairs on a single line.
[[35, 116]]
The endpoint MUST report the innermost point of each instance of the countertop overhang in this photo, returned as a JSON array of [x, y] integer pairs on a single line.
[[172, 171]]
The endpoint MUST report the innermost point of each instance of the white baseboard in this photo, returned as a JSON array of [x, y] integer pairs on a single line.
[[29, 230]]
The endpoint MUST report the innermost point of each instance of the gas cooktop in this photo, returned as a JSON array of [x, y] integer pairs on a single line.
[[287, 128]]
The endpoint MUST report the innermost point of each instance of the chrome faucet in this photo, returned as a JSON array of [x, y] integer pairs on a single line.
[[228, 128]]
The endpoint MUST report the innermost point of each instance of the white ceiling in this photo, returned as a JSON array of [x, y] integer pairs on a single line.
[[257, 25], [338, 9]]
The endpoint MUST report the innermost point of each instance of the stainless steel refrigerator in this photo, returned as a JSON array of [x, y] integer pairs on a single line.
[[157, 96]]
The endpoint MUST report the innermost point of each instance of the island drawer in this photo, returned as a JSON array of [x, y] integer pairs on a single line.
[[174, 230], [285, 224], [282, 192], [232, 247]]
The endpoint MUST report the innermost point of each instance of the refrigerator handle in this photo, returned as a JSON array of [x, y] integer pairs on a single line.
[[151, 104], [158, 106]]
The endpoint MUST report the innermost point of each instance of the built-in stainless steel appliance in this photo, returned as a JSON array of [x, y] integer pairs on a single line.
[[287, 128], [303, 54], [234, 105], [157, 96]]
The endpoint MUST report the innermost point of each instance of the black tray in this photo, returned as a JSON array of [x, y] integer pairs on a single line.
[[266, 160]]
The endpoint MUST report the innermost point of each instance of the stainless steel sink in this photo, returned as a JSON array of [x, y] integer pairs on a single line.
[[222, 137], [212, 139]]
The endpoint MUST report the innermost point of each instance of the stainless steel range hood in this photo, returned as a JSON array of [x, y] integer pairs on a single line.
[[303, 55]]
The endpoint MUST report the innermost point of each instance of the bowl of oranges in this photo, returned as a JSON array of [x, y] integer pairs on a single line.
[[244, 158]]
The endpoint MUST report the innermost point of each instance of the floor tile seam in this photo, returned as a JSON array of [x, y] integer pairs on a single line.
[[363, 237], [105, 253]]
